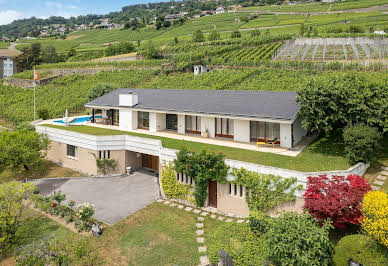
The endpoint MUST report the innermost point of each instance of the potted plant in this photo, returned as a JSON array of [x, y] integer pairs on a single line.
[[206, 133]]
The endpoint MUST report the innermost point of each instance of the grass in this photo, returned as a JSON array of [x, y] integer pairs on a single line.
[[324, 154], [156, 235], [4, 45], [375, 168], [47, 170]]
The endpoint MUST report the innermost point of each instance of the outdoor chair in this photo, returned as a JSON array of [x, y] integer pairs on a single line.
[[268, 142]]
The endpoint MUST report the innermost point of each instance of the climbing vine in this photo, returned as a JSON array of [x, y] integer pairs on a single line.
[[172, 189], [201, 166], [264, 192]]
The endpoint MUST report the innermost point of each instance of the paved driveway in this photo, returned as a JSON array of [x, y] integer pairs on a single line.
[[115, 198]]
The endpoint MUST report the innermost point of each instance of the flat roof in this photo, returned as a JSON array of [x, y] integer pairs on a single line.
[[278, 105], [9, 53]]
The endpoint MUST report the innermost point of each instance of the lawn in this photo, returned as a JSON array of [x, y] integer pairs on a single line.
[[155, 235], [324, 154], [4, 45]]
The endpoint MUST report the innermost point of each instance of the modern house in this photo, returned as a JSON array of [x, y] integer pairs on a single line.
[[223, 117], [241, 116], [7, 62]]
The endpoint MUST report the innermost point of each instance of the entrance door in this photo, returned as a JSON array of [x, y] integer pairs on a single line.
[[212, 194], [150, 162], [171, 122]]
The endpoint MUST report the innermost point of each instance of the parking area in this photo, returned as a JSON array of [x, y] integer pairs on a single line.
[[115, 198]]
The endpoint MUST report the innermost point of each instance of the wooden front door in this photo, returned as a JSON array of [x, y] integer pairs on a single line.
[[150, 162], [212, 194]]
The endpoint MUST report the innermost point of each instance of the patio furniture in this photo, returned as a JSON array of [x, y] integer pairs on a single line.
[[267, 142]]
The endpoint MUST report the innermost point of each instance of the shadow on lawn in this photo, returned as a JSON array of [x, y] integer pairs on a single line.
[[330, 145]]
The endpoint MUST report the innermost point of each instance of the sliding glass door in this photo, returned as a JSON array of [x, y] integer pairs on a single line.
[[224, 128], [171, 122], [193, 124], [143, 120], [264, 131]]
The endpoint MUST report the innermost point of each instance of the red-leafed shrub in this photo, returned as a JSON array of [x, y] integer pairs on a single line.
[[338, 198]]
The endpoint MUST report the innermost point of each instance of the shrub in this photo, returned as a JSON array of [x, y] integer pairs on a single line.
[[240, 242], [362, 249], [84, 213], [235, 34], [375, 211], [121, 48], [214, 35], [149, 50], [198, 36], [43, 114], [24, 126], [106, 166], [99, 90], [337, 198], [260, 222], [297, 239], [172, 189], [361, 143]]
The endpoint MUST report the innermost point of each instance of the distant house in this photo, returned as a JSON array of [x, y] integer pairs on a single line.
[[207, 13], [7, 62], [379, 32], [220, 10], [199, 69], [236, 8]]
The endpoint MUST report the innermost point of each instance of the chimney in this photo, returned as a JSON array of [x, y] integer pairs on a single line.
[[129, 99]]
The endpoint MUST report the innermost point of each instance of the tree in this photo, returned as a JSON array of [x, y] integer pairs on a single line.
[[22, 150], [72, 52], [49, 55], [120, 48], [100, 90], [297, 239], [342, 100], [337, 198], [149, 50], [43, 113], [202, 167], [214, 35], [176, 40], [375, 216], [235, 34], [29, 57], [255, 33], [198, 36], [362, 143], [12, 204]]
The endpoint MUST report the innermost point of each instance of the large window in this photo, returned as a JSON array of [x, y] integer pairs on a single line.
[[264, 131], [71, 151], [224, 128], [193, 124], [171, 122], [143, 120]]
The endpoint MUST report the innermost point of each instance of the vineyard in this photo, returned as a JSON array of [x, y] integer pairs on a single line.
[[71, 92], [333, 49]]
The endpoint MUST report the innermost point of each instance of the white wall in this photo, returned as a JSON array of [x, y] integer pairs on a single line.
[[125, 119], [241, 130], [285, 136], [160, 121], [209, 124], [134, 120], [152, 118], [299, 131], [181, 124]]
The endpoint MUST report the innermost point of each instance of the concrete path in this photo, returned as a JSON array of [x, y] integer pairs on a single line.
[[115, 198]]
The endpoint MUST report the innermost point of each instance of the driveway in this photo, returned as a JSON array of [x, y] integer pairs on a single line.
[[115, 198]]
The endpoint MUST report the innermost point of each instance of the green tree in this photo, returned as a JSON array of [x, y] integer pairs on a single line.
[[12, 204], [235, 34], [100, 90], [49, 55], [43, 113], [214, 35], [198, 36], [297, 239], [72, 52], [149, 50], [30, 57], [176, 40], [255, 33], [361, 143], [22, 150], [202, 166]]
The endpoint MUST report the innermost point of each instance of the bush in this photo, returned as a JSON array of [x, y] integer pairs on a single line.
[[337, 198], [375, 211], [198, 36], [260, 222], [297, 239], [99, 90], [43, 114], [24, 126], [121, 48], [172, 189], [149, 50], [361, 143], [362, 249], [245, 247], [235, 34], [84, 213]]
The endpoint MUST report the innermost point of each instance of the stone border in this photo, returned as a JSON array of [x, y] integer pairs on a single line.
[[201, 214]]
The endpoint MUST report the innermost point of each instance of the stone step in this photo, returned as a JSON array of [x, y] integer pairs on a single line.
[[375, 188], [202, 249], [200, 240], [382, 177], [379, 183], [200, 218], [384, 173], [385, 168], [199, 232], [204, 260], [199, 225]]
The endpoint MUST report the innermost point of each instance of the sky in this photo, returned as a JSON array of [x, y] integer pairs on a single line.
[[11, 10]]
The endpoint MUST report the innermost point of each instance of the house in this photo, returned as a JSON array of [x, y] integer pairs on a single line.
[[7, 62], [220, 117], [379, 32], [220, 10], [198, 69]]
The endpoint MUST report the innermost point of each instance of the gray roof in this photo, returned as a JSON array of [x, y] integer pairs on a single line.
[[280, 105]]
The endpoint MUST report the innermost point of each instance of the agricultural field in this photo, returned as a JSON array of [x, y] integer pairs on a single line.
[[4, 45]]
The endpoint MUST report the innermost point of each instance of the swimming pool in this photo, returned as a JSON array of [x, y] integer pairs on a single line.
[[79, 119]]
